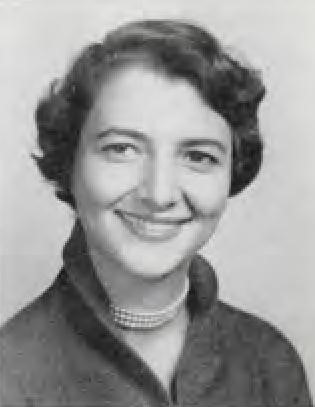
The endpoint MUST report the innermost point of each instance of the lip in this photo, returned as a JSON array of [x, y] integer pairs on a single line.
[[152, 228]]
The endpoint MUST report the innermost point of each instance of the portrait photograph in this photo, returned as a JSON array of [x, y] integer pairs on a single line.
[[157, 195]]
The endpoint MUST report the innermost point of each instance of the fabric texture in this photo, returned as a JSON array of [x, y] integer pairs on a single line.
[[64, 350]]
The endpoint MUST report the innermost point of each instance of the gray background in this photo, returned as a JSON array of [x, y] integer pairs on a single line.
[[264, 249]]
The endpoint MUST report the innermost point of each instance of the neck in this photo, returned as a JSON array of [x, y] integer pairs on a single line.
[[138, 293]]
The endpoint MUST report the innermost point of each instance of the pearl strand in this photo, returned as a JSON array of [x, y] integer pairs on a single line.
[[143, 321]]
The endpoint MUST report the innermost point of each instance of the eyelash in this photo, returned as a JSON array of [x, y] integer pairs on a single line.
[[201, 155], [200, 160], [118, 148]]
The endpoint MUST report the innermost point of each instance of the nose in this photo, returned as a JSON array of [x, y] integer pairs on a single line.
[[159, 189]]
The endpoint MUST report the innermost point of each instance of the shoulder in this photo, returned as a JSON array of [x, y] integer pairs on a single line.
[[26, 328], [247, 328], [262, 349], [28, 344], [249, 331]]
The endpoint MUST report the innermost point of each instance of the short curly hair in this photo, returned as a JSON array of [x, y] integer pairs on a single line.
[[180, 50]]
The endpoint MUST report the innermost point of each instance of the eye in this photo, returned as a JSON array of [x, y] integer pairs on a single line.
[[200, 160], [120, 152]]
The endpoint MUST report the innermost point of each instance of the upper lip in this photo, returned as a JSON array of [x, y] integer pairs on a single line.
[[155, 219]]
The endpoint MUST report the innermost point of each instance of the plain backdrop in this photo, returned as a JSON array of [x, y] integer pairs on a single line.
[[264, 250]]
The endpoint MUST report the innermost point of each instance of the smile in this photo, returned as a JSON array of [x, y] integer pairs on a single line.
[[152, 229]]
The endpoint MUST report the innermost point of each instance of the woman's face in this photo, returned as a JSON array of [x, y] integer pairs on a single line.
[[152, 171]]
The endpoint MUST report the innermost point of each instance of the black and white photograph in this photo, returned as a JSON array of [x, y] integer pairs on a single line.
[[157, 195]]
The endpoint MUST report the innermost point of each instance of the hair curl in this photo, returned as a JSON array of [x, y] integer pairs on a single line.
[[180, 50]]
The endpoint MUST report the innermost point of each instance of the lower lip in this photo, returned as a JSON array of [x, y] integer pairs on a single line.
[[150, 231]]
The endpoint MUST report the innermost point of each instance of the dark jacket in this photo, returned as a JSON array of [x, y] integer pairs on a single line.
[[63, 350]]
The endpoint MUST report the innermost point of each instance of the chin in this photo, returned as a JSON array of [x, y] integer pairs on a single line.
[[151, 267]]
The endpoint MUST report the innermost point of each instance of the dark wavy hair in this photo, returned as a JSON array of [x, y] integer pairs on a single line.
[[178, 49]]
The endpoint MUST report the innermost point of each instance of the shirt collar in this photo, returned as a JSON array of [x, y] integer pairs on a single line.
[[86, 308], [78, 266]]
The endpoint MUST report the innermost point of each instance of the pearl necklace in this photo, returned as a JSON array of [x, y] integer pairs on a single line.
[[148, 320]]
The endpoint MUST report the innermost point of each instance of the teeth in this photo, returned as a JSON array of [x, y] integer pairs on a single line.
[[150, 228]]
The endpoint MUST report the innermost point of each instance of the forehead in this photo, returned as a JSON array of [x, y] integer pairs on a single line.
[[146, 100]]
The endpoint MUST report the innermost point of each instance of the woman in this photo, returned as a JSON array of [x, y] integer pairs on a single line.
[[147, 137]]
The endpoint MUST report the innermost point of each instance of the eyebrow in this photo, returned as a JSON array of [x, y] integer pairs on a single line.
[[138, 135], [205, 142], [119, 131]]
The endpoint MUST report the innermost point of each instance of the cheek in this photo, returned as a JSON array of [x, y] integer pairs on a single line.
[[208, 194], [100, 184]]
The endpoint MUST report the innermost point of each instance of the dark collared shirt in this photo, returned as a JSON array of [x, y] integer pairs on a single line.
[[63, 350]]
